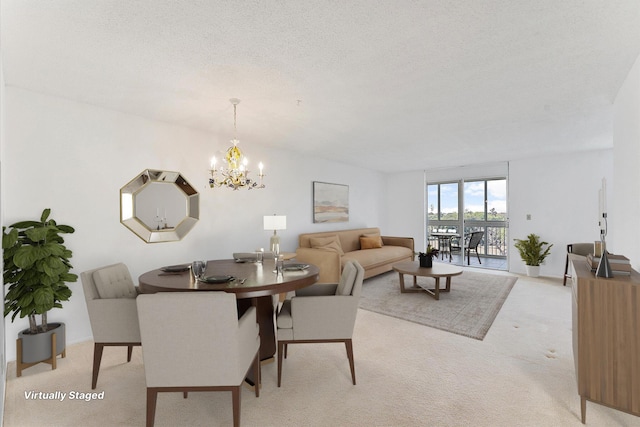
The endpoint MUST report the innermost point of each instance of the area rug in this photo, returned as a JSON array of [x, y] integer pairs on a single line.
[[469, 309]]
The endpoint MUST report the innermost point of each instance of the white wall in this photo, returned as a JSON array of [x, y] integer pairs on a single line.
[[561, 194], [73, 158], [404, 211], [3, 361], [625, 219]]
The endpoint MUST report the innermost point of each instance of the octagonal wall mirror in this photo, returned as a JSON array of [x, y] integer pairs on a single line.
[[159, 206]]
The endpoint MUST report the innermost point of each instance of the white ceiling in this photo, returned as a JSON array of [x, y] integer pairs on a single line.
[[390, 85]]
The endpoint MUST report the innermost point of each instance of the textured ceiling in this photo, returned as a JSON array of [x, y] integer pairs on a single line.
[[388, 84]]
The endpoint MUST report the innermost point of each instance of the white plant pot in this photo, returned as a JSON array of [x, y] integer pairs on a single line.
[[533, 270]]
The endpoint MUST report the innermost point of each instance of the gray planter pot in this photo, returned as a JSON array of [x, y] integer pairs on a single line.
[[37, 347]]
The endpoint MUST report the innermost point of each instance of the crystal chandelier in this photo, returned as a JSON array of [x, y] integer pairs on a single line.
[[233, 173]]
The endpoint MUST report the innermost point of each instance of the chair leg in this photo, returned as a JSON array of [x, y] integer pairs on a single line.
[[281, 349], [257, 374], [235, 397], [349, 344], [286, 349], [478, 255], [129, 352], [97, 358], [152, 396]]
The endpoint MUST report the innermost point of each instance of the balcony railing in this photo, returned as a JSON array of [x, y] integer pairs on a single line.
[[493, 244]]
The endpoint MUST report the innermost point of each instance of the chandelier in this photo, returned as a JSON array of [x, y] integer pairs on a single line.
[[233, 173]]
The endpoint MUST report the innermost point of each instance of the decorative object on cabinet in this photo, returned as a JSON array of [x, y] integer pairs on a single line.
[[234, 173], [159, 206], [604, 269], [275, 222], [606, 341], [330, 202], [36, 269]]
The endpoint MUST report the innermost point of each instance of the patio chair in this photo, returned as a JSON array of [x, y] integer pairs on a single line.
[[474, 241]]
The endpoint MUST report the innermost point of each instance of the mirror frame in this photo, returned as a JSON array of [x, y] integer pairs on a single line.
[[138, 184]]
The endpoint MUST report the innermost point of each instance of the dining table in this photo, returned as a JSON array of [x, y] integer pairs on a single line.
[[254, 284]]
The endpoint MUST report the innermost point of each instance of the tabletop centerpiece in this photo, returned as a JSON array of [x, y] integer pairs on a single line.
[[426, 258]]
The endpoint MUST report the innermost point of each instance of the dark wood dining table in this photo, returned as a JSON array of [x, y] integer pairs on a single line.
[[254, 285]]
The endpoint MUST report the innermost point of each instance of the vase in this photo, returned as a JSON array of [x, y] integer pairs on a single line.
[[426, 261]]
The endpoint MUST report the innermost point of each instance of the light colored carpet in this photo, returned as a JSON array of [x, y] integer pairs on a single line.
[[469, 309], [521, 374]]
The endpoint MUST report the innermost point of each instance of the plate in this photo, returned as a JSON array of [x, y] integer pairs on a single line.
[[216, 279], [295, 267], [175, 268]]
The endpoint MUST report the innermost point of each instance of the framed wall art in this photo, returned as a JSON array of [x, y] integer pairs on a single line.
[[330, 202]]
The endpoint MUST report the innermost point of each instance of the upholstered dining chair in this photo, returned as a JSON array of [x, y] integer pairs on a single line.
[[194, 341], [583, 249], [111, 303], [474, 241], [322, 313]]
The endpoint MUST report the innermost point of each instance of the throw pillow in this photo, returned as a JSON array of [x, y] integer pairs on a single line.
[[329, 243], [372, 242]]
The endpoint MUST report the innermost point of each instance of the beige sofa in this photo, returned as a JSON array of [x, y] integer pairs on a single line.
[[374, 252]]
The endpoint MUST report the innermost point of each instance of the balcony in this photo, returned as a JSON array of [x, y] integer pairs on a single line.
[[492, 249]]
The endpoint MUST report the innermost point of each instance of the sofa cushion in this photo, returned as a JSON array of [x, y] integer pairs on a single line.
[[372, 258], [370, 242], [329, 243]]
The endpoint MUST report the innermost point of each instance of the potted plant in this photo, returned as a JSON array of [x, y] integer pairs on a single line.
[[36, 269], [426, 258], [533, 251]]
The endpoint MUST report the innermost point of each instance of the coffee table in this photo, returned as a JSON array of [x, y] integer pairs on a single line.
[[437, 271]]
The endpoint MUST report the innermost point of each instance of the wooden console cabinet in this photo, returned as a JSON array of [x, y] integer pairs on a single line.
[[606, 338]]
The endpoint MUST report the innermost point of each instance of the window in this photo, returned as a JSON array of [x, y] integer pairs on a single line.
[[443, 202]]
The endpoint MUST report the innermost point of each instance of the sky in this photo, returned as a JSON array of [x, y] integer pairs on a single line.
[[473, 196]]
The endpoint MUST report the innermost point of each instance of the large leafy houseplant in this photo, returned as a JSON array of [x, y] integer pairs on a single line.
[[36, 268], [532, 250]]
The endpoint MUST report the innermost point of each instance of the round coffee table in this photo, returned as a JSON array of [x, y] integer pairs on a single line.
[[437, 271]]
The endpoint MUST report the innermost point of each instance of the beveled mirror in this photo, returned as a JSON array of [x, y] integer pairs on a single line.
[[159, 206]]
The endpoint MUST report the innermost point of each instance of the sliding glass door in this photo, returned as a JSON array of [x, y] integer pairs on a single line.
[[456, 210]]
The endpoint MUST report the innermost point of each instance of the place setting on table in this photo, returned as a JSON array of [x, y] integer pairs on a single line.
[[252, 282], [246, 273]]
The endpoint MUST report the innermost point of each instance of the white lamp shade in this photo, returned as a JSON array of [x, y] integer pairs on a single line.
[[275, 222]]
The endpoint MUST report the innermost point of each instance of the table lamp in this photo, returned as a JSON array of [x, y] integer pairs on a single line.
[[275, 222]]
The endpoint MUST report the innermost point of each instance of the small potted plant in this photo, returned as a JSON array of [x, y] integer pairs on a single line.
[[533, 252], [426, 258], [36, 269]]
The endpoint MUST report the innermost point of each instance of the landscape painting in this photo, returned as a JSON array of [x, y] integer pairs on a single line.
[[330, 202]]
